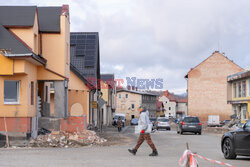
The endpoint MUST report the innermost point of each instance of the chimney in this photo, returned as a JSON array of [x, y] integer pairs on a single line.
[[128, 87], [136, 88], [133, 87]]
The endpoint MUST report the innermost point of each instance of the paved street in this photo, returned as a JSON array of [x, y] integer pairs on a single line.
[[169, 144]]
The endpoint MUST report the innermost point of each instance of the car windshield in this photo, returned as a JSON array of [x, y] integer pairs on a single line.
[[152, 119], [191, 119], [117, 116], [247, 124], [163, 120]]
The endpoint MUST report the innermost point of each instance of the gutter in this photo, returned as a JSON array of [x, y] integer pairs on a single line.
[[32, 55]]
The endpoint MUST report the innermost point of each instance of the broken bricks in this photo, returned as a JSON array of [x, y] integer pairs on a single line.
[[66, 139]]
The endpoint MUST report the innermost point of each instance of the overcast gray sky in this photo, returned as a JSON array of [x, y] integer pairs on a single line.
[[160, 38]]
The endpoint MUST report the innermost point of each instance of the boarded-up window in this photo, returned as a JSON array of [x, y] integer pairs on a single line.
[[32, 93]]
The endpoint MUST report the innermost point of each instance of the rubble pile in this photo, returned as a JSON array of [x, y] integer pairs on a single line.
[[220, 130], [66, 139]]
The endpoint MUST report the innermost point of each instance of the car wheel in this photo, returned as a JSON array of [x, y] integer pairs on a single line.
[[199, 133], [181, 132], [228, 149]]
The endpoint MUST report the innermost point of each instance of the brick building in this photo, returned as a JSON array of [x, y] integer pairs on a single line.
[[207, 87]]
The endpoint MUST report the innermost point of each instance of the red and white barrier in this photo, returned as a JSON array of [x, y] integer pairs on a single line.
[[213, 161], [189, 159]]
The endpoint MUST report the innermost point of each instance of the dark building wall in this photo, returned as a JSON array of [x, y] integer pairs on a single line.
[[149, 101]]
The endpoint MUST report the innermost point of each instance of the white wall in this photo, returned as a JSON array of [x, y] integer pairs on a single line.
[[169, 106]]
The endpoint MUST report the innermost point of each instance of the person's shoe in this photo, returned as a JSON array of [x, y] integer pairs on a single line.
[[154, 153], [132, 151]]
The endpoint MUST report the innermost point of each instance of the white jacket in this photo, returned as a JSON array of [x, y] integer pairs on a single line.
[[144, 120]]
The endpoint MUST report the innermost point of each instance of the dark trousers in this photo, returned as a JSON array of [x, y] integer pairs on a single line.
[[146, 137], [119, 129]]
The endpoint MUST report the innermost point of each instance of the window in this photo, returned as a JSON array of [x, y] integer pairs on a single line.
[[52, 86], [132, 106], [32, 93], [169, 108], [239, 89], [46, 94], [244, 112], [126, 95], [234, 90], [11, 92], [243, 88], [120, 96]]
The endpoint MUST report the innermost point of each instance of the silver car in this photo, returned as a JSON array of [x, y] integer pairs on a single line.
[[162, 123]]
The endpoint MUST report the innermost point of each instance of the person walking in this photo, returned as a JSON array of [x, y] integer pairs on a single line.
[[119, 124], [143, 123]]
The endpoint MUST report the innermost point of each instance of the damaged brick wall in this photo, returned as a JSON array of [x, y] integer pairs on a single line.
[[18, 124], [74, 124]]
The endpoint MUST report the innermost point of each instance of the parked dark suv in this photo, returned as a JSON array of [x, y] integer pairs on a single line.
[[236, 142], [189, 124]]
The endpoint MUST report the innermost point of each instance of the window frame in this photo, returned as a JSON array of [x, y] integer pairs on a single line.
[[18, 92], [126, 96]]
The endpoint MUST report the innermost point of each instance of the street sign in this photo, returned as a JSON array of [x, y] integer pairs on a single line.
[[94, 104]]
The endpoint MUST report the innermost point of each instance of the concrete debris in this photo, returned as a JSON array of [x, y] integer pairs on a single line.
[[66, 139], [220, 130]]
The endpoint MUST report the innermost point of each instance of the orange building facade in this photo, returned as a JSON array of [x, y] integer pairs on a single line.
[[35, 78]]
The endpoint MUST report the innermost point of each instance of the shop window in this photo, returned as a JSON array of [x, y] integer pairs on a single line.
[[11, 92]]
